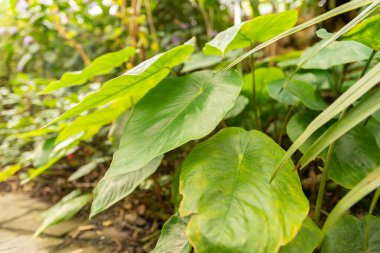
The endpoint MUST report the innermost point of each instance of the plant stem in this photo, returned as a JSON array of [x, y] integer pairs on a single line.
[[206, 20], [61, 29], [255, 7], [374, 201], [363, 73], [322, 185], [152, 28], [368, 63], [254, 98], [341, 81], [283, 127]]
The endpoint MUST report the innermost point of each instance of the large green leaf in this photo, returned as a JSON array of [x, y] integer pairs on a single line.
[[173, 236], [225, 187], [94, 120], [356, 155], [199, 61], [364, 109], [281, 94], [374, 127], [263, 76], [376, 115], [114, 187], [308, 94], [367, 32], [302, 87], [66, 208], [246, 34], [176, 111], [348, 166], [241, 103], [305, 241], [101, 65], [337, 53], [135, 82], [351, 235]]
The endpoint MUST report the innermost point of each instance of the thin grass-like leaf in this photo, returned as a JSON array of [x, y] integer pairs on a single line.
[[368, 106], [344, 101], [336, 35], [335, 12], [367, 185]]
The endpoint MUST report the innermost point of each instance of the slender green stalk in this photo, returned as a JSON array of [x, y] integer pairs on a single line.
[[255, 7], [322, 185], [283, 127], [368, 63], [374, 201], [254, 96], [341, 81], [150, 20], [206, 20], [364, 187]]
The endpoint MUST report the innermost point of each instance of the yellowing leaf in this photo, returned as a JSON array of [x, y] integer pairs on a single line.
[[233, 207], [246, 34]]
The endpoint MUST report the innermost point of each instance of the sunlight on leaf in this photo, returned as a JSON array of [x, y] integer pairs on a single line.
[[176, 111], [101, 65], [135, 82], [230, 186], [246, 34]]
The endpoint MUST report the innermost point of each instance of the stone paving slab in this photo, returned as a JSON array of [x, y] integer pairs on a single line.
[[13, 242], [8, 212], [22, 201], [31, 221], [20, 217], [85, 249], [16, 205]]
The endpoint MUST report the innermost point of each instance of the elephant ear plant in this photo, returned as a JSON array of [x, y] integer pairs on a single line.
[[239, 190]]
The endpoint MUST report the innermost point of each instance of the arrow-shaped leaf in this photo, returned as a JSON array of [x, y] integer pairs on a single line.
[[233, 207], [135, 82], [101, 65], [176, 111]]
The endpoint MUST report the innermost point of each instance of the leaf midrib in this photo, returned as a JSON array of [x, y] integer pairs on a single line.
[[237, 175], [169, 123]]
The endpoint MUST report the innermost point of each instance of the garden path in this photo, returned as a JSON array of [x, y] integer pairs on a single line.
[[20, 217]]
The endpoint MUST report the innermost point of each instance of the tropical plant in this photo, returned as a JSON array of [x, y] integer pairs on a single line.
[[238, 189]]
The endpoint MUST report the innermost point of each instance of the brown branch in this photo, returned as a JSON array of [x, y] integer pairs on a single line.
[[62, 32]]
